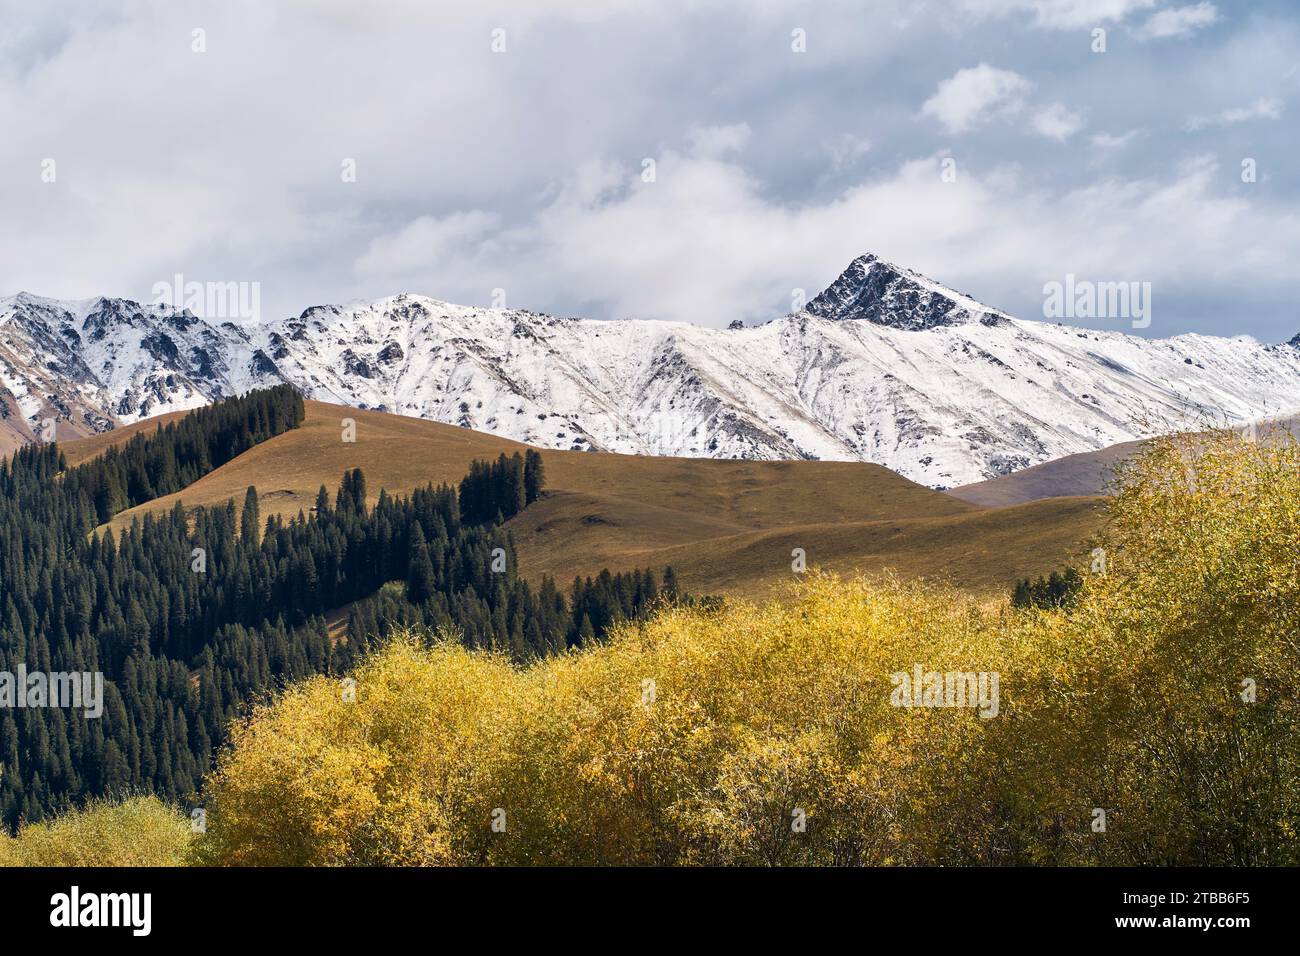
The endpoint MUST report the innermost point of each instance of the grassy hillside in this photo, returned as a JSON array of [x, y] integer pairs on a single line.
[[728, 526], [1088, 473], [980, 550], [82, 450]]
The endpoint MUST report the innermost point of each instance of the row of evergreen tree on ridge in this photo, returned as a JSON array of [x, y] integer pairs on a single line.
[[193, 613], [1057, 590]]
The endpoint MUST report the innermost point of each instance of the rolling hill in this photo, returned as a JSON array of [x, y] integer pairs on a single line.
[[726, 526], [83, 449], [1087, 473]]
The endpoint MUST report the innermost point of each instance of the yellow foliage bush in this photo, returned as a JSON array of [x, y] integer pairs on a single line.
[[767, 736], [142, 831]]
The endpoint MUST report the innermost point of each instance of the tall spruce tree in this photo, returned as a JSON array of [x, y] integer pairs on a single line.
[[421, 581], [249, 523], [534, 475]]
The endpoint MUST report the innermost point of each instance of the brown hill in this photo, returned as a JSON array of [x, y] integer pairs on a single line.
[[983, 550], [1087, 473], [727, 526], [84, 449]]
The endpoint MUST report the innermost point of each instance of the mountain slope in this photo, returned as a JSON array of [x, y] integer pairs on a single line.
[[85, 367], [1087, 473], [728, 526], [885, 366]]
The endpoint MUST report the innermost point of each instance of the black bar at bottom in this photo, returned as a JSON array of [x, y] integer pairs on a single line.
[[947, 907]]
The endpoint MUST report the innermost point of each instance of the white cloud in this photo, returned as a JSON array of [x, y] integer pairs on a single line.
[[975, 94], [718, 141], [522, 170], [1057, 122], [1266, 107], [706, 244], [1179, 21], [424, 240], [1061, 14], [1109, 141], [847, 149]]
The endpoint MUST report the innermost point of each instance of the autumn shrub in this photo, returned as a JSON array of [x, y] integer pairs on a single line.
[[1154, 721], [1195, 636], [380, 772], [141, 831]]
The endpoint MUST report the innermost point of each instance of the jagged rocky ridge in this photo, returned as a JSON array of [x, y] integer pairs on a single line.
[[885, 366]]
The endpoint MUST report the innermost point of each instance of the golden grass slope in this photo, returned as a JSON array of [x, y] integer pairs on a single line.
[[728, 526], [981, 550], [82, 450], [1092, 472], [1087, 473]]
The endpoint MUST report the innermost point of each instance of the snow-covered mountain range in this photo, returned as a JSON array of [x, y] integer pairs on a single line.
[[885, 366]]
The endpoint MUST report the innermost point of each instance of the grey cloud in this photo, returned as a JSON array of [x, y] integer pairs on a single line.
[[522, 170]]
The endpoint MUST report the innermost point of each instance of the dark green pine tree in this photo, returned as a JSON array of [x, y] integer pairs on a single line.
[[516, 494], [359, 490], [249, 522], [670, 590], [534, 475], [420, 578]]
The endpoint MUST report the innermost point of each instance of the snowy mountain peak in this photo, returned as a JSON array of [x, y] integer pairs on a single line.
[[874, 290], [87, 365], [886, 366]]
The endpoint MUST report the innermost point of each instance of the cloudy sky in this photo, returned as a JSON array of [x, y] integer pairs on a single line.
[[694, 161]]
